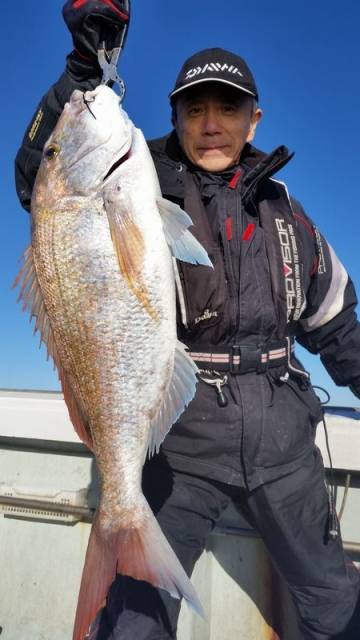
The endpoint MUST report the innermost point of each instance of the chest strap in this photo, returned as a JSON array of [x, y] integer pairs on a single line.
[[243, 358]]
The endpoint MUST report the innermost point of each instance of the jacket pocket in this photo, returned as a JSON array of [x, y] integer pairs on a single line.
[[291, 413], [204, 292], [307, 396]]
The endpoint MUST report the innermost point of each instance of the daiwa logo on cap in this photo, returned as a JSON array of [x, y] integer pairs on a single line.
[[213, 66]]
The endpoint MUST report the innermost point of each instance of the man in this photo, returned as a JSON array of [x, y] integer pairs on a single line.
[[248, 436]]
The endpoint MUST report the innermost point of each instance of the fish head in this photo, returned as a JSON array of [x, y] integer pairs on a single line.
[[92, 135]]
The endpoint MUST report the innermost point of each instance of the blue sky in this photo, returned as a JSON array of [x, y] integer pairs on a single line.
[[305, 58]]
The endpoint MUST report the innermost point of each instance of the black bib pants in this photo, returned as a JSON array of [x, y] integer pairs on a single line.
[[291, 514]]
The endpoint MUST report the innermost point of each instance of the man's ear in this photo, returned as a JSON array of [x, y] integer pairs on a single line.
[[255, 119]]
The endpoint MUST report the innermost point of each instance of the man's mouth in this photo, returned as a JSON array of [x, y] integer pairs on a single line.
[[218, 147]]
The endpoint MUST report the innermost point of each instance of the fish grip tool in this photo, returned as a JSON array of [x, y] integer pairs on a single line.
[[108, 61], [215, 379]]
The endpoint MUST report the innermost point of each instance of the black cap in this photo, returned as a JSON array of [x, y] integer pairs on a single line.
[[215, 65]]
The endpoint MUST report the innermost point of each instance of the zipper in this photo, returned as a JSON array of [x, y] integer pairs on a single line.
[[229, 277], [235, 199], [228, 262], [238, 236], [232, 254]]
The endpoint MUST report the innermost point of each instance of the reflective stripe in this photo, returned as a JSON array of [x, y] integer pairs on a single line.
[[283, 184], [272, 355], [333, 302], [223, 358], [213, 357]]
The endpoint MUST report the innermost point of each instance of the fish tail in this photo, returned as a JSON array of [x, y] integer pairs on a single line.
[[142, 553], [146, 554], [98, 573]]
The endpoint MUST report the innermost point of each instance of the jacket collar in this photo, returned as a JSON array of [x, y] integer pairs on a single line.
[[172, 164]]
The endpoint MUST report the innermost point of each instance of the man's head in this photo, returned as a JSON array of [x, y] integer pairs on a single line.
[[214, 108]]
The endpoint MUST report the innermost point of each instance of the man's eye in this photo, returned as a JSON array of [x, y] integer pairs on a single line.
[[229, 108], [194, 111]]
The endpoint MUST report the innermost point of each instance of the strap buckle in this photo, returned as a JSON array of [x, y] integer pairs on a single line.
[[244, 358]]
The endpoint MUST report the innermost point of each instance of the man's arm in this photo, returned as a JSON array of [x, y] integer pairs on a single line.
[[329, 325], [77, 75], [90, 23]]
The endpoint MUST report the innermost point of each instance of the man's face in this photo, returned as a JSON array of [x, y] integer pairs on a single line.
[[213, 122]]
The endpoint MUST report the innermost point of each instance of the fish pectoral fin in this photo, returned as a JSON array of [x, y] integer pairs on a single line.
[[184, 246], [129, 245], [32, 298], [181, 391]]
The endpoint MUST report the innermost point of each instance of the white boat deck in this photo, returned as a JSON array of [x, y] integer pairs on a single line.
[[48, 481], [42, 415]]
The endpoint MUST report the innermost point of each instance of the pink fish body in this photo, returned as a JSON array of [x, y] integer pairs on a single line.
[[99, 279]]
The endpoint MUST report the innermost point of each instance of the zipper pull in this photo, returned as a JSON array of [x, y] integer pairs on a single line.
[[222, 399]]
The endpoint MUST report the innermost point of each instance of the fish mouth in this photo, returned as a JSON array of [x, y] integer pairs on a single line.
[[116, 165]]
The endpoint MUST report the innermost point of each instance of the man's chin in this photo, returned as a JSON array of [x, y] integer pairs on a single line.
[[215, 163]]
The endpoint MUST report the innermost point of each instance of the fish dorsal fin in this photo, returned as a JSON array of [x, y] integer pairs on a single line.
[[31, 296], [181, 391], [129, 245], [182, 243]]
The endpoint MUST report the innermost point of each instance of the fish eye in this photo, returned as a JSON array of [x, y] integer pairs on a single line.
[[52, 151]]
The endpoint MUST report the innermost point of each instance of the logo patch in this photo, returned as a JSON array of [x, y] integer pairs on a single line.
[[212, 66], [206, 316], [291, 268], [35, 125], [320, 252]]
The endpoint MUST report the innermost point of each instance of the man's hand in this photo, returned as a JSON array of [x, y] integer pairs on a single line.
[[91, 22]]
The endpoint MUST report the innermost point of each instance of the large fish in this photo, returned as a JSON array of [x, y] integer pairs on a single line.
[[99, 280]]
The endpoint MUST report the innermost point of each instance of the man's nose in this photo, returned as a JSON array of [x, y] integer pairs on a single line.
[[211, 122]]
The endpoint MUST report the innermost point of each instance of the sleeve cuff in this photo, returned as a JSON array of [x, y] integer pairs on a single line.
[[81, 69]]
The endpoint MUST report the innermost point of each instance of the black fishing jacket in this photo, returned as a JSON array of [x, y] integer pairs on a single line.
[[275, 279], [274, 273]]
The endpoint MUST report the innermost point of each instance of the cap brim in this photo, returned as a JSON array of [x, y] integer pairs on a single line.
[[192, 84]]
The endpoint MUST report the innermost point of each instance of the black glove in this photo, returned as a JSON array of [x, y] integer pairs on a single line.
[[91, 22]]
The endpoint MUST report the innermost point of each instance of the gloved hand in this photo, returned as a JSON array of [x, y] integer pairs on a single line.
[[92, 21]]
